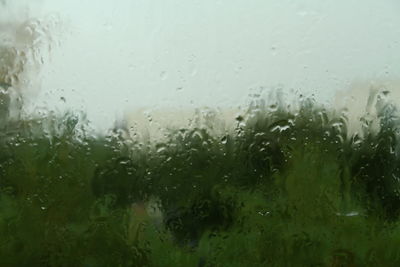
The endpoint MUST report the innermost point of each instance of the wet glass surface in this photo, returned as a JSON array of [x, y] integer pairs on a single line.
[[199, 133]]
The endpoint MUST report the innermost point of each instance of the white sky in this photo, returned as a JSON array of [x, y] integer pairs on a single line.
[[117, 55]]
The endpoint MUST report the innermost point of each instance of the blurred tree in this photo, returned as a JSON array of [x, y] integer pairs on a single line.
[[21, 56], [6, 60]]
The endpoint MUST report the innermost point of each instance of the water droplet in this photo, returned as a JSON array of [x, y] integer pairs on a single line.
[[239, 118], [273, 50], [161, 149], [163, 75], [193, 72], [273, 107], [224, 140]]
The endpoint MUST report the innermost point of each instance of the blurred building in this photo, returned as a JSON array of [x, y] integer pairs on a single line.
[[365, 99]]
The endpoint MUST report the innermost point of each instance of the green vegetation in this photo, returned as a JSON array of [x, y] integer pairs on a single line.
[[285, 187]]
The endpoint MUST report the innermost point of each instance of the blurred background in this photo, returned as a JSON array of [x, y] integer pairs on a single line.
[[131, 59]]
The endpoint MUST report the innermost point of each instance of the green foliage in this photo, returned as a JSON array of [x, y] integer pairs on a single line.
[[286, 187]]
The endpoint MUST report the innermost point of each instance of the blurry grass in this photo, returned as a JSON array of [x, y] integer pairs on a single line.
[[285, 187]]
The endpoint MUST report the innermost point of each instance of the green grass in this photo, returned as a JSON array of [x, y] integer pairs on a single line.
[[285, 187]]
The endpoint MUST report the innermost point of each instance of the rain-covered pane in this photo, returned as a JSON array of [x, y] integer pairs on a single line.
[[199, 133]]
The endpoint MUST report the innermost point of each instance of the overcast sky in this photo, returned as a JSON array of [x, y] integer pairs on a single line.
[[128, 54]]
